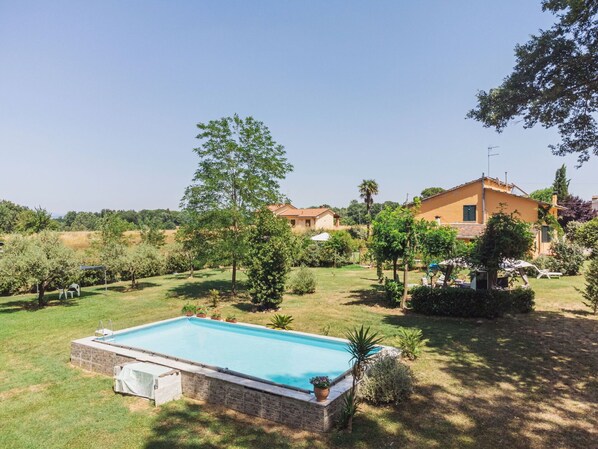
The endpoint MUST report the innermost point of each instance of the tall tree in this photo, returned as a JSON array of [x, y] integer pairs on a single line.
[[542, 194], [367, 190], [554, 81], [430, 191], [560, 186], [240, 167]]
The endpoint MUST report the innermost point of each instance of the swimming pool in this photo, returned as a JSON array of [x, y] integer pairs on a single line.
[[273, 356]]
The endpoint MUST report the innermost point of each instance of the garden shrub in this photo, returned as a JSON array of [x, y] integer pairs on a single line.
[[303, 281], [567, 258], [410, 341], [393, 291], [590, 293], [387, 381], [468, 303]]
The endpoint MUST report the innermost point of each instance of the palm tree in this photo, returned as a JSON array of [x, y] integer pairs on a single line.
[[367, 189]]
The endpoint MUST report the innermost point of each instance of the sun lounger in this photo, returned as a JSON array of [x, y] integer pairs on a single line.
[[548, 274]]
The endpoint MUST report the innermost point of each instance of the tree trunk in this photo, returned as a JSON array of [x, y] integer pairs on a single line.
[[405, 273], [395, 275], [133, 280], [41, 290], [234, 278], [449, 271], [491, 276], [191, 271]]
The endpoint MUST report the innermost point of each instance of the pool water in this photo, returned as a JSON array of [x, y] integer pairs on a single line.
[[276, 356]]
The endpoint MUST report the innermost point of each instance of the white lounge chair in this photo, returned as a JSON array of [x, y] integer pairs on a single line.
[[548, 274]]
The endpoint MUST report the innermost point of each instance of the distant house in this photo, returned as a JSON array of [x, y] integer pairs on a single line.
[[468, 206], [595, 202], [303, 219]]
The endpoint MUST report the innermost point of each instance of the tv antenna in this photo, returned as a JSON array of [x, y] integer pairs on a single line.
[[490, 154]]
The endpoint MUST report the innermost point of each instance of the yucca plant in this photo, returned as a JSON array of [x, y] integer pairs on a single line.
[[279, 321], [362, 347], [410, 341]]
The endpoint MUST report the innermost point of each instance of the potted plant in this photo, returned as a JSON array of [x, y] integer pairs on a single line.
[[216, 316], [321, 387], [202, 312], [189, 309], [231, 319]]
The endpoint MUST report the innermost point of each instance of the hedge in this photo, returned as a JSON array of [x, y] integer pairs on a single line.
[[468, 303]]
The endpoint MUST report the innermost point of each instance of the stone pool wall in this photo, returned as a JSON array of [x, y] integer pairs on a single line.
[[292, 408]]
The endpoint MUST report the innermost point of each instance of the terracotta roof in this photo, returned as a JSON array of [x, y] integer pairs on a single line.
[[308, 213], [468, 230]]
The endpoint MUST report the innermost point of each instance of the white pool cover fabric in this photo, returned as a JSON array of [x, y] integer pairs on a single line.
[[139, 379]]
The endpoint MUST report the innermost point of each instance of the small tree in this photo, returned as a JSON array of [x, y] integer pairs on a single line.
[[505, 237], [395, 235], [577, 209], [586, 235], [544, 195], [590, 293], [438, 243], [41, 260], [340, 245], [151, 234], [567, 257], [268, 259], [140, 261]]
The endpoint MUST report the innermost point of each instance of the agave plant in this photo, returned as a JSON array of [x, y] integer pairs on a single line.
[[362, 346], [411, 341], [279, 321]]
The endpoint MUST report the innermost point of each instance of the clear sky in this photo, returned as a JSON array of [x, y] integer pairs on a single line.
[[99, 100]]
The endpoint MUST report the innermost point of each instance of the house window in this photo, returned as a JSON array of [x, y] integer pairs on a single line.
[[469, 213], [307, 223], [293, 223], [546, 235]]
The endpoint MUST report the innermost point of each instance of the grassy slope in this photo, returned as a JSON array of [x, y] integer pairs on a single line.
[[518, 382]]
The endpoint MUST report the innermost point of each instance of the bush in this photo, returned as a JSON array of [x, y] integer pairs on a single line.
[[304, 281], [410, 341], [567, 258], [467, 303], [590, 293], [388, 381], [393, 291]]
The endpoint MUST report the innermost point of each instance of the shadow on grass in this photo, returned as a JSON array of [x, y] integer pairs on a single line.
[[373, 296], [194, 290], [530, 380], [196, 275], [127, 288], [31, 304], [185, 425]]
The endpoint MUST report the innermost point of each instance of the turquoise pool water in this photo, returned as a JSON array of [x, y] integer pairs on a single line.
[[276, 356]]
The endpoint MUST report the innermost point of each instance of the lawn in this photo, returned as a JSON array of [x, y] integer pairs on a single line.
[[527, 381]]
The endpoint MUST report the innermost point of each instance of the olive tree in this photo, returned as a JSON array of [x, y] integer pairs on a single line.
[[41, 260]]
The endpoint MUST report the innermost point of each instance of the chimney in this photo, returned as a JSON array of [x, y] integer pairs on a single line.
[[554, 198], [437, 218]]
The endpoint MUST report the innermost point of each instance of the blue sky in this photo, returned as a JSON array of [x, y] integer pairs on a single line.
[[99, 100]]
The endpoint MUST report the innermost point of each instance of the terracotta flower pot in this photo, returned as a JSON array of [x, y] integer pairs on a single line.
[[232, 320], [188, 313], [216, 318], [202, 315], [321, 393]]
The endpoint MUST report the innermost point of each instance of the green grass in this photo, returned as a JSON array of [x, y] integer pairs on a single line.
[[519, 382]]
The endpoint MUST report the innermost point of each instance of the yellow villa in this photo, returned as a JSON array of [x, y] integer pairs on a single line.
[[468, 206], [304, 219]]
